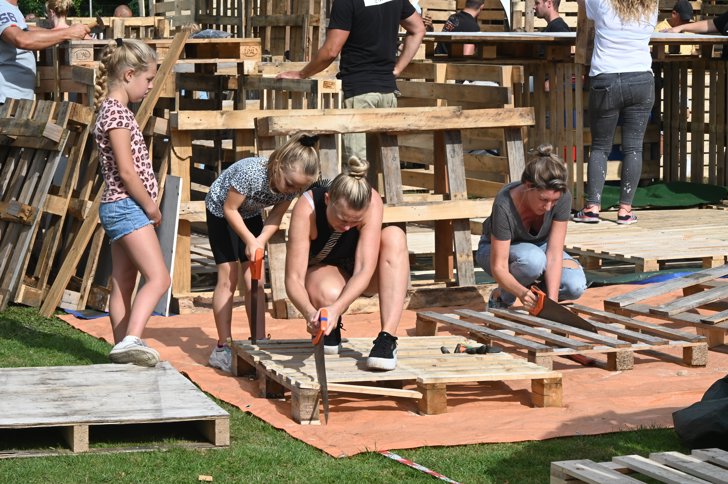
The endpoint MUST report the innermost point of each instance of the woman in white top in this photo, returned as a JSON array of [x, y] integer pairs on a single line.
[[622, 87]]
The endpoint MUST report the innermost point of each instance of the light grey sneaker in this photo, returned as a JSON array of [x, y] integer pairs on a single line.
[[133, 350], [221, 358]]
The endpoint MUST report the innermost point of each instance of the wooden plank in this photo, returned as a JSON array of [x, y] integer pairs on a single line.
[[517, 328], [494, 334], [455, 94], [561, 328], [590, 472], [394, 120], [691, 465], [715, 456], [643, 326], [690, 302], [167, 234], [655, 470], [370, 390], [665, 287]]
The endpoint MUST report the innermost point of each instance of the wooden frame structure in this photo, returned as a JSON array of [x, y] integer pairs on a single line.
[[383, 128]]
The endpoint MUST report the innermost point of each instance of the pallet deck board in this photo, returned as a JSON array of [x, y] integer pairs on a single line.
[[687, 234], [290, 364], [543, 339], [74, 398], [701, 290], [701, 466]]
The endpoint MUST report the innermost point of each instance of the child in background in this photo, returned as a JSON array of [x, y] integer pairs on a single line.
[[236, 228], [128, 210], [57, 12]]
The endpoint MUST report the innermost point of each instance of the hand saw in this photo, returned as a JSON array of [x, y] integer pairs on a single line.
[[257, 305], [318, 352], [553, 311]]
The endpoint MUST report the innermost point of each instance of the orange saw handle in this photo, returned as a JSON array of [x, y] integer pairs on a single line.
[[256, 265], [540, 298], [323, 324]]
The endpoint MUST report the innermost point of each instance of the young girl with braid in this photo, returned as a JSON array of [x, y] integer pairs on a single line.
[[338, 250], [128, 210], [235, 224]]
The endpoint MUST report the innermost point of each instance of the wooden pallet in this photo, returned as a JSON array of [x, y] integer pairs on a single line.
[[619, 338], [682, 310], [636, 245], [73, 399], [707, 465], [33, 140], [289, 365]]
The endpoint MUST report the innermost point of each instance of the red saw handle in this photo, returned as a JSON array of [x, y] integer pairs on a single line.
[[256, 265], [323, 324], [540, 298]]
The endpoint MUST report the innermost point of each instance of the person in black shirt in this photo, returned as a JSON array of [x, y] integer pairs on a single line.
[[463, 21], [549, 11], [365, 32]]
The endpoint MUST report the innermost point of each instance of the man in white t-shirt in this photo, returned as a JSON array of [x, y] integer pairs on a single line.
[[17, 43]]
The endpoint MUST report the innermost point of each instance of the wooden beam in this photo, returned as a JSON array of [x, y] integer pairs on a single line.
[[395, 120]]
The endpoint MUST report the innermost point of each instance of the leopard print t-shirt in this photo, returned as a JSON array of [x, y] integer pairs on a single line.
[[249, 177], [114, 115]]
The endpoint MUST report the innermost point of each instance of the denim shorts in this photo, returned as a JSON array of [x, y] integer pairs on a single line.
[[122, 217]]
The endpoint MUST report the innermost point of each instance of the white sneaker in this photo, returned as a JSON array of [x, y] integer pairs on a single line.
[[133, 350], [221, 358]]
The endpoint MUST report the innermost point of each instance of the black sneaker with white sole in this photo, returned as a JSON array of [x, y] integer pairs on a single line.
[[332, 341], [384, 353]]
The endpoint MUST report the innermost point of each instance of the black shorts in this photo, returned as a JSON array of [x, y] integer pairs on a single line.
[[225, 244]]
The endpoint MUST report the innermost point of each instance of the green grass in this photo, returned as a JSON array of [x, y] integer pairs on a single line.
[[258, 452]]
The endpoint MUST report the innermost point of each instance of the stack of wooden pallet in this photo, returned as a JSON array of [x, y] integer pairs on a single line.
[[706, 465]]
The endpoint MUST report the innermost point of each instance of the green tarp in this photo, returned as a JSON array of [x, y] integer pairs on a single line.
[[667, 195]]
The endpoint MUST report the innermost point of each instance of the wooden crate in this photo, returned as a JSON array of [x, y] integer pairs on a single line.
[[682, 309], [543, 340], [75, 399], [288, 365], [706, 465]]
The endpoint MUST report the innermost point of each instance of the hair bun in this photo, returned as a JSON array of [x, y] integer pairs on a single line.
[[544, 150], [309, 141], [357, 167]]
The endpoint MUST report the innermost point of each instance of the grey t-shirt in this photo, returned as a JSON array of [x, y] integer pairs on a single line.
[[17, 66], [504, 222], [249, 177]]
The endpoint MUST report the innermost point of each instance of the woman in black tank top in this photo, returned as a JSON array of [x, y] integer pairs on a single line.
[[337, 250]]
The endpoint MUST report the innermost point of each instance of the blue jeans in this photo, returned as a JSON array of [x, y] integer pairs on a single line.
[[631, 95], [122, 217], [527, 262]]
